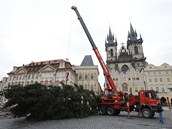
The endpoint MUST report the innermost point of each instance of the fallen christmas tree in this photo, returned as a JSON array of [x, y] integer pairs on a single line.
[[40, 102]]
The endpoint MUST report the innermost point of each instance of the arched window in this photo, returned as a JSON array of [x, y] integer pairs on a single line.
[[136, 50], [125, 68], [111, 52]]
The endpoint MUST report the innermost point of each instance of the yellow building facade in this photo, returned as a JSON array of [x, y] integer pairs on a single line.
[[159, 78]]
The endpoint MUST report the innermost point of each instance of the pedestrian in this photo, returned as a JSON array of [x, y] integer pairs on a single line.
[[160, 110]]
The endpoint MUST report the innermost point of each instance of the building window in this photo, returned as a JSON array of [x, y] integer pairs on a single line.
[[157, 89], [28, 76], [166, 72], [125, 68], [111, 52], [136, 89], [136, 50], [130, 89], [80, 77], [92, 77], [161, 80], [154, 73], [85, 86], [150, 80], [37, 76], [163, 90], [159, 72], [168, 79], [91, 87], [33, 76], [85, 76], [155, 79]]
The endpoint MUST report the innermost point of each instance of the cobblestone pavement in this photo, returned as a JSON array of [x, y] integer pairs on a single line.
[[93, 122]]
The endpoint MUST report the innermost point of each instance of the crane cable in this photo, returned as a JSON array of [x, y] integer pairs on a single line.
[[68, 45]]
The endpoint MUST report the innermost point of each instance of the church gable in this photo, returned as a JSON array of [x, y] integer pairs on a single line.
[[47, 68]]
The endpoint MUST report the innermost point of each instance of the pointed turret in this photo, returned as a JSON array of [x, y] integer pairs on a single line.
[[131, 29], [132, 35], [110, 37], [111, 46]]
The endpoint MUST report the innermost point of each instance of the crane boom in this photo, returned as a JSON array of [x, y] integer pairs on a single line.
[[95, 49]]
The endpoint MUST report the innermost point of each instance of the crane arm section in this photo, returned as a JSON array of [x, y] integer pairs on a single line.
[[95, 49]]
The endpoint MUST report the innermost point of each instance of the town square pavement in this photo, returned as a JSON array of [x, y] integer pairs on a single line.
[[93, 122]]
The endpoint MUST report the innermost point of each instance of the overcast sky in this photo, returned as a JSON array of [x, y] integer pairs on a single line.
[[38, 30]]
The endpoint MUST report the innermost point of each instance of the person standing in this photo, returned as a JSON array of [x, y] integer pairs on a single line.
[[160, 110]]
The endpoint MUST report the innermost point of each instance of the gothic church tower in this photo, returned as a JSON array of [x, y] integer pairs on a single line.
[[126, 65], [134, 46], [111, 48]]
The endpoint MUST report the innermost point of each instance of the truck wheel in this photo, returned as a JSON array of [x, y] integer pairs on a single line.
[[102, 110], [146, 113], [110, 111], [117, 111]]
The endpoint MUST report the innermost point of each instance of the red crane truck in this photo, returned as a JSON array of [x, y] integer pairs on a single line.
[[113, 102]]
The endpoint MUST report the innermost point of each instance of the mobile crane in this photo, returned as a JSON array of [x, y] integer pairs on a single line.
[[112, 103]]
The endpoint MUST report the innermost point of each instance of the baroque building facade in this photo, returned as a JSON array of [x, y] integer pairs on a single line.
[[54, 73], [87, 75], [50, 72], [126, 66]]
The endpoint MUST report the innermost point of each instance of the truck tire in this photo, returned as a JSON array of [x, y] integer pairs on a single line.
[[146, 113], [110, 111], [117, 111], [102, 110]]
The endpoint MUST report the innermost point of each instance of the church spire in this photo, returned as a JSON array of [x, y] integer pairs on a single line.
[[110, 36], [131, 28], [132, 35]]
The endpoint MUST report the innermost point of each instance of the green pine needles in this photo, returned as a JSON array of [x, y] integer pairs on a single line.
[[40, 102]]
